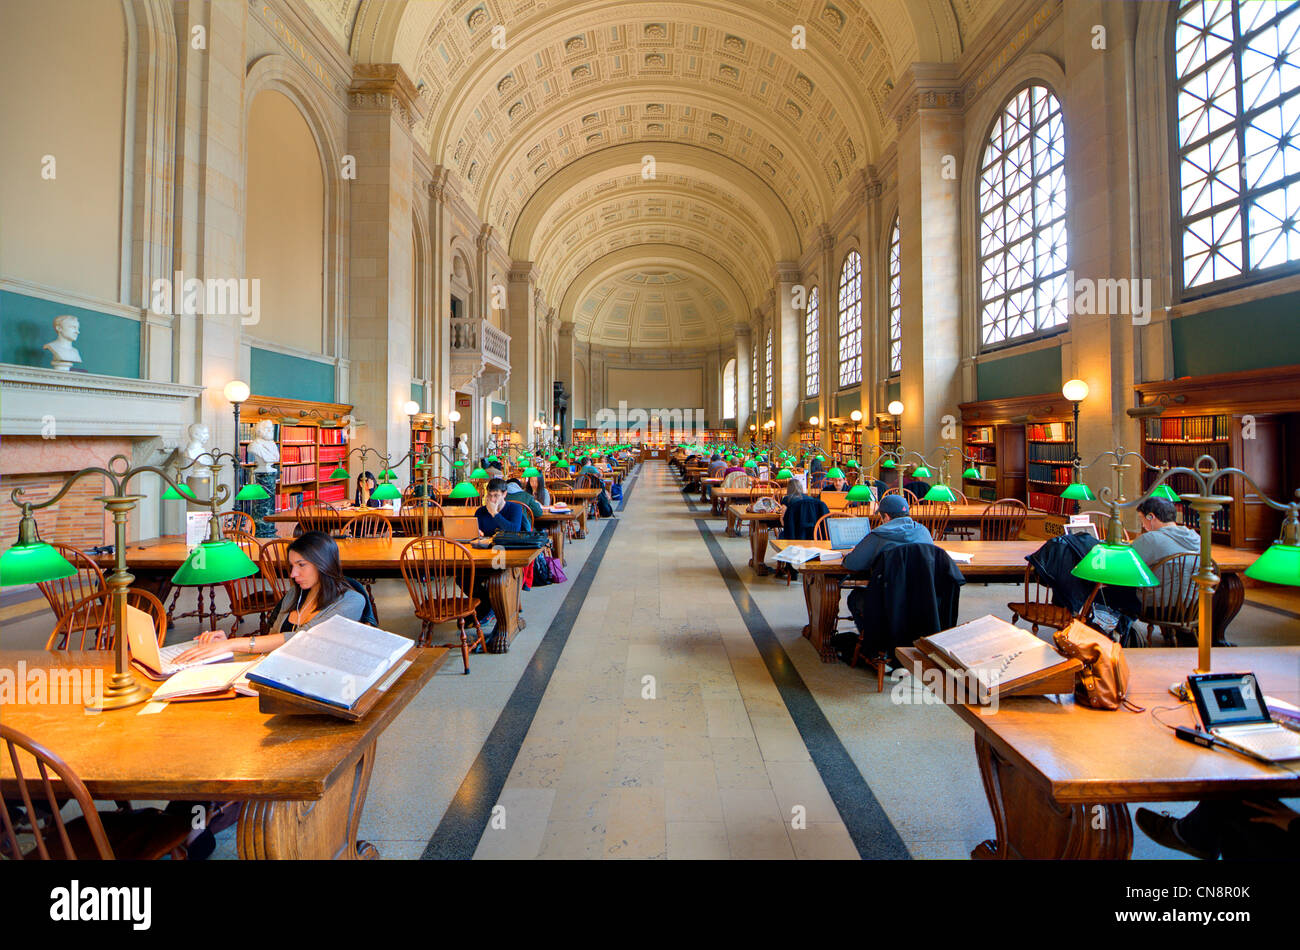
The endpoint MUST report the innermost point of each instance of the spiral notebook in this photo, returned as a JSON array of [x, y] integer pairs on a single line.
[[1001, 655]]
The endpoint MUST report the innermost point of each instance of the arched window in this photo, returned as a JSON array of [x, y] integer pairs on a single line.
[[895, 301], [1022, 245], [851, 320], [729, 389], [767, 371], [753, 384], [1237, 195], [812, 345]]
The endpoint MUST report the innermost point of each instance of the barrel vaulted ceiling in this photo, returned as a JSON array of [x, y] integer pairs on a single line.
[[755, 142]]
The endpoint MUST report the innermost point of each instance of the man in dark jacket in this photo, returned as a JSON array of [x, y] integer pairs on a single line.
[[913, 591], [896, 528]]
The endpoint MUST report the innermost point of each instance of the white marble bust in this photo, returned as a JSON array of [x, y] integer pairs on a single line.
[[62, 351], [262, 449], [462, 446], [196, 450]]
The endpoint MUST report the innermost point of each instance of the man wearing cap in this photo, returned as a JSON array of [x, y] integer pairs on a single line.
[[896, 528]]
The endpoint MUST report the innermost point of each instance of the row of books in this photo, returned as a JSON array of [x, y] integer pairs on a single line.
[[1051, 451], [981, 453], [1189, 428], [293, 474], [248, 431], [293, 454], [298, 435], [333, 492], [289, 500], [986, 471], [332, 453], [1188, 517], [325, 470], [1049, 431], [1055, 474], [332, 436], [1053, 504], [1186, 455], [421, 436], [985, 493], [979, 434]]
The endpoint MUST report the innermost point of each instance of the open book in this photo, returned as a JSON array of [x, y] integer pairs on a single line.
[[216, 678], [797, 555], [334, 662], [1001, 656]]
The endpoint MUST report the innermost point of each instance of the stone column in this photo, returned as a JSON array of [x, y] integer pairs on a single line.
[[439, 398], [564, 373], [744, 371], [927, 108], [522, 321], [383, 103], [787, 352], [828, 322]]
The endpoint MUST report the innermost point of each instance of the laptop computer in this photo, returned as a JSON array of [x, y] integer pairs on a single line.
[[158, 661], [845, 533], [1232, 710]]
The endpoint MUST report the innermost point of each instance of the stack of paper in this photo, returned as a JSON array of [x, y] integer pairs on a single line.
[[200, 680]]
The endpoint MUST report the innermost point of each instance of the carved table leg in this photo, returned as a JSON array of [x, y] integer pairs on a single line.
[[325, 829], [758, 547], [503, 593], [556, 532], [1029, 824], [806, 580], [1229, 596], [823, 612]]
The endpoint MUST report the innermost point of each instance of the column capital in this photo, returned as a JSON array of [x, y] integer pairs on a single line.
[[743, 330], [484, 237], [924, 86], [826, 236], [786, 272], [380, 87], [566, 330], [522, 271], [439, 186]]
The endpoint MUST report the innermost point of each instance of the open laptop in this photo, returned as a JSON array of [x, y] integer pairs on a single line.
[[845, 533], [1232, 710], [158, 661]]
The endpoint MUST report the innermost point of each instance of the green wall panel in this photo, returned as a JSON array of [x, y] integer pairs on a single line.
[[417, 393], [847, 402], [108, 344], [579, 423], [1027, 374], [290, 377], [809, 409], [498, 409], [1255, 335], [893, 391]]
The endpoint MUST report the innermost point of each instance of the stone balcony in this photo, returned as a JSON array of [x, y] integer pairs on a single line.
[[480, 356]]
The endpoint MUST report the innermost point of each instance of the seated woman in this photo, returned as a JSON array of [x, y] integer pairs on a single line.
[[364, 497], [319, 591], [536, 486]]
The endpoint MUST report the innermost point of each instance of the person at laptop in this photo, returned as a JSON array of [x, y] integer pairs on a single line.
[[1241, 830], [319, 591], [896, 527], [494, 514], [1162, 536]]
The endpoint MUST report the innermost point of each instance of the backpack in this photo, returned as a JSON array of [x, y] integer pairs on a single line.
[[541, 571], [616, 492], [603, 506]]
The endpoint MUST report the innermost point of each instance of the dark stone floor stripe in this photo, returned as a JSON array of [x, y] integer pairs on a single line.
[[457, 835], [1273, 609], [872, 832]]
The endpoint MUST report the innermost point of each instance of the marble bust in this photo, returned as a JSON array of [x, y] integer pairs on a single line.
[[262, 448], [196, 450], [462, 446], [62, 351]]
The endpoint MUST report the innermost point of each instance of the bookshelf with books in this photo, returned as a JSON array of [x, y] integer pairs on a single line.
[[979, 443], [312, 440], [1019, 445], [584, 436], [1248, 420], [887, 429], [1049, 447], [421, 436], [720, 436], [846, 441]]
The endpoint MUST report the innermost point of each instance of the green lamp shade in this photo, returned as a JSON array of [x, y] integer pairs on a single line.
[[852, 463], [751, 464], [971, 472], [835, 472], [215, 562], [889, 463], [478, 473], [555, 458], [1115, 564], [859, 493], [458, 463], [1077, 491], [171, 494], [531, 472], [493, 458], [33, 564], [921, 472], [1280, 564], [822, 459], [387, 475], [386, 491], [785, 473], [464, 490], [339, 472], [253, 492], [940, 493], [1165, 492]]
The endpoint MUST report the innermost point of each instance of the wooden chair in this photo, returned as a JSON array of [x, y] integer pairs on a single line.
[[440, 485], [142, 835], [933, 515], [1037, 608], [459, 529], [370, 525], [908, 496], [1173, 605], [439, 575], [91, 620], [736, 480], [317, 516], [274, 562], [528, 514], [852, 477], [251, 595], [1102, 520], [63, 593], [1003, 520], [232, 521]]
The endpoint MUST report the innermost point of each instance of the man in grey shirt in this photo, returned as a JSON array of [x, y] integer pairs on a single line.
[[1161, 536]]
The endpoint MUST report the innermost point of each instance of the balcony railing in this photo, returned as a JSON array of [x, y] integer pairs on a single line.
[[479, 352]]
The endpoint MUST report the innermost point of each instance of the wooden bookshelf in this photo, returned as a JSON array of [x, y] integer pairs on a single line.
[[1020, 459], [846, 441], [586, 436], [888, 433], [312, 441], [1248, 420]]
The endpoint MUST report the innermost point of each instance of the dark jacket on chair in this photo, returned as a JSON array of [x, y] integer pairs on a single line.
[[801, 516], [913, 591], [901, 530], [1053, 562]]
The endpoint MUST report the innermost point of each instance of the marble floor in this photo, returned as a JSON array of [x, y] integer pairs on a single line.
[[662, 704]]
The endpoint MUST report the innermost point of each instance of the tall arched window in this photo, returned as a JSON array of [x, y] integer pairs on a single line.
[[1022, 244], [753, 385], [895, 301], [812, 345], [767, 372], [851, 320], [729, 389], [1237, 197]]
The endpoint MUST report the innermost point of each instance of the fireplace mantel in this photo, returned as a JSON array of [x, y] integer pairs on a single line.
[[34, 398]]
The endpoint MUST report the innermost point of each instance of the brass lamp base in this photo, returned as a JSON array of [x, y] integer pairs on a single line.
[[123, 691]]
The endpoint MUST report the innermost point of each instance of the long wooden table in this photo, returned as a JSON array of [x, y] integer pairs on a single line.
[[302, 779], [156, 561], [990, 561], [1058, 776]]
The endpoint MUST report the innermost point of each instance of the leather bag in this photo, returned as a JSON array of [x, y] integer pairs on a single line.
[[1103, 681]]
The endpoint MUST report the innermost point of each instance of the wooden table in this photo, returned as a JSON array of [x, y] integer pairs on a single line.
[[579, 499], [155, 561], [760, 524], [991, 561], [554, 522], [302, 780], [1058, 776]]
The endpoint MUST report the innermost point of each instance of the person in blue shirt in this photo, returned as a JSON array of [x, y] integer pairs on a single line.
[[494, 514], [896, 527]]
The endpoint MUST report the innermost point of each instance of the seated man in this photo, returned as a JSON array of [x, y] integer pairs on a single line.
[[1237, 830], [896, 528], [717, 469], [1162, 536], [494, 514]]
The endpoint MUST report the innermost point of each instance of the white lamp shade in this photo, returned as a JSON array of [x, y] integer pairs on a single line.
[[856, 415], [411, 408], [237, 390], [895, 408], [454, 416], [814, 421], [496, 420], [1075, 390]]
